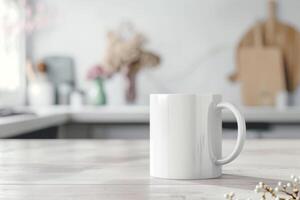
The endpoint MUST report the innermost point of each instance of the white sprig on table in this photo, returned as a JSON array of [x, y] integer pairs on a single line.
[[288, 191]]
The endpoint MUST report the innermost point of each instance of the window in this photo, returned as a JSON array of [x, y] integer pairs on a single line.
[[11, 53]]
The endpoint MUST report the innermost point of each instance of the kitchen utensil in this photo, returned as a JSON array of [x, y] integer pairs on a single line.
[[280, 35], [261, 72]]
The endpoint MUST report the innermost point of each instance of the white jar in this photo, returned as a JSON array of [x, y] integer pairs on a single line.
[[41, 92]]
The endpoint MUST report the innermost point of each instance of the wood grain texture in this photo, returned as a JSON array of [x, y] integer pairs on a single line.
[[119, 169]]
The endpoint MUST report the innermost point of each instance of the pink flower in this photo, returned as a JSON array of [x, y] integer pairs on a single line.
[[97, 72]]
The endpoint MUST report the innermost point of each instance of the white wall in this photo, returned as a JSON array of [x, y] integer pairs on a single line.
[[196, 38]]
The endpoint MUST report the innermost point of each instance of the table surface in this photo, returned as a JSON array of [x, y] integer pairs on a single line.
[[119, 169]]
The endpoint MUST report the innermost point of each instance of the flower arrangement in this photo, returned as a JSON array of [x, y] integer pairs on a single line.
[[97, 74], [288, 191], [126, 53]]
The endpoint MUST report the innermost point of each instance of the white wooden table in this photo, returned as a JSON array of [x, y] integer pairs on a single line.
[[118, 169]]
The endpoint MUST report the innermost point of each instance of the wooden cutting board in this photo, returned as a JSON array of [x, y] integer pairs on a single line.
[[261, 72], [282, 36]]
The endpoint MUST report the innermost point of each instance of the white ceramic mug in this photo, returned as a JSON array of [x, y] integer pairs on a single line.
[[186, 136]]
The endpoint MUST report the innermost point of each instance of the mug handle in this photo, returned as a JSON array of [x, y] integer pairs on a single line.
[[241, 125]]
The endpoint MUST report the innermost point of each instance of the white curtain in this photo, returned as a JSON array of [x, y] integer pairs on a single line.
[[11, 52]]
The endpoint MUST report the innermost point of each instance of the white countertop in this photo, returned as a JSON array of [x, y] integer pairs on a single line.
[[140, 114], [59, 115], [14, 125]]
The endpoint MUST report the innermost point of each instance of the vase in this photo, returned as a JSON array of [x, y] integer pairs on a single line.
[[130, 88], [96, 93], [115, 90]]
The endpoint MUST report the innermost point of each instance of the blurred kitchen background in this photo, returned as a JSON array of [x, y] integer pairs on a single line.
[[85, 69]]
